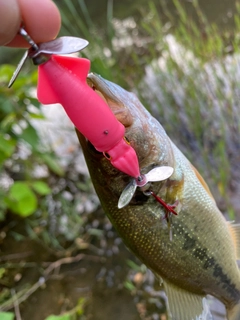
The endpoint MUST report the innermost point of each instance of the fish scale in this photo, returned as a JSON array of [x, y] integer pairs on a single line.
[[167, 259], [200, 259]]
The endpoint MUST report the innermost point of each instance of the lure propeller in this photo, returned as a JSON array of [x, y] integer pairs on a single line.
[[42, 52], [156, 174]]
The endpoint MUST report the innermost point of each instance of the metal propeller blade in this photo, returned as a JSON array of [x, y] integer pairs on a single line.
[[62, 45], [159, 173], [18, 69], [127, 194], [40, 53], [156, 174]]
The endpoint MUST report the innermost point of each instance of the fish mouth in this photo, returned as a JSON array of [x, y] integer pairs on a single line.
[[103, 88], [142, 139], [129, 111]]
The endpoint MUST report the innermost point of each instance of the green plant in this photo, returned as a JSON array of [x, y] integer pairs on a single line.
[[192, 88], [74, 314], [20, 146], [22, 196], [7, 315]]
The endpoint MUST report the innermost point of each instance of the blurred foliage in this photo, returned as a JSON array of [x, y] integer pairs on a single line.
[[7, 315], [98, 50], [22, 153], [73, 314], [20, 145], [193, 89]]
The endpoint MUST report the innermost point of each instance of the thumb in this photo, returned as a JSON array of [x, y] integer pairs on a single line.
[[10, 20]]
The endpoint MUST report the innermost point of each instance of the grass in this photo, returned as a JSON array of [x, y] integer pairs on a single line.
[[193, 89]]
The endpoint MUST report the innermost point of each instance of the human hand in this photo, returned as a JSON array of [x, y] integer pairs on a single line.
[[40, 18]]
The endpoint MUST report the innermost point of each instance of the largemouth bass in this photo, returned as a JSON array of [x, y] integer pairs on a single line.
[[200, 258]]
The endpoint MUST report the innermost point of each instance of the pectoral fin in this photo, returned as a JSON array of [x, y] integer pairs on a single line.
[[184, 305]]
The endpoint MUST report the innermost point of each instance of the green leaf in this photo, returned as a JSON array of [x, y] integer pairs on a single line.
[[95, 232], [80, 306], [7, 145], [6, 104], [36, 116], [41, 188], [8, 121], [34, 78], [52, 163], [6, 72], [35, 103], [6, 315], [2, 271], [30, 136], [61, 317], [21, 199], [133, 265], [129, 285]]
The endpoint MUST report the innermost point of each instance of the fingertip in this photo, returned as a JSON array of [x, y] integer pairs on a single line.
[[41, 19], [44, 21], [10, 20]]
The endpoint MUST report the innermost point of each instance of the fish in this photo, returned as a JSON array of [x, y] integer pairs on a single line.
[[200, 257]]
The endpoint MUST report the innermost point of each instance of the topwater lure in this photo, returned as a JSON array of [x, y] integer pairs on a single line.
[[63, 80]]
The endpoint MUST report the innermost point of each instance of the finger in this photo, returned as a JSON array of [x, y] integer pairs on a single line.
[[41, 19], [10, 20]]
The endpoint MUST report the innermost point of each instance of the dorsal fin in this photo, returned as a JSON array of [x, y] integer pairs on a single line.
[[235, 233], [202, 181]]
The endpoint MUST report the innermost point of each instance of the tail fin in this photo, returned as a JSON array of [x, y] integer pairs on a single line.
[[234, 313]]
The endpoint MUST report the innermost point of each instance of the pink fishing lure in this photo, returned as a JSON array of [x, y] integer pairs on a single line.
[[63, 80]]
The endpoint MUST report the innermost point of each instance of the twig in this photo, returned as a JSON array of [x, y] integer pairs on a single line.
[[57, 264], [16, 305], [19, 297], [15, 256], [15, 265]]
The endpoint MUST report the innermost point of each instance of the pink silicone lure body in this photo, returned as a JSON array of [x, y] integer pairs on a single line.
[[63, 80]]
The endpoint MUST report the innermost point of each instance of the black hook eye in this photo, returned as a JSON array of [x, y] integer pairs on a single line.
[[107, 156], [126, 139]]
